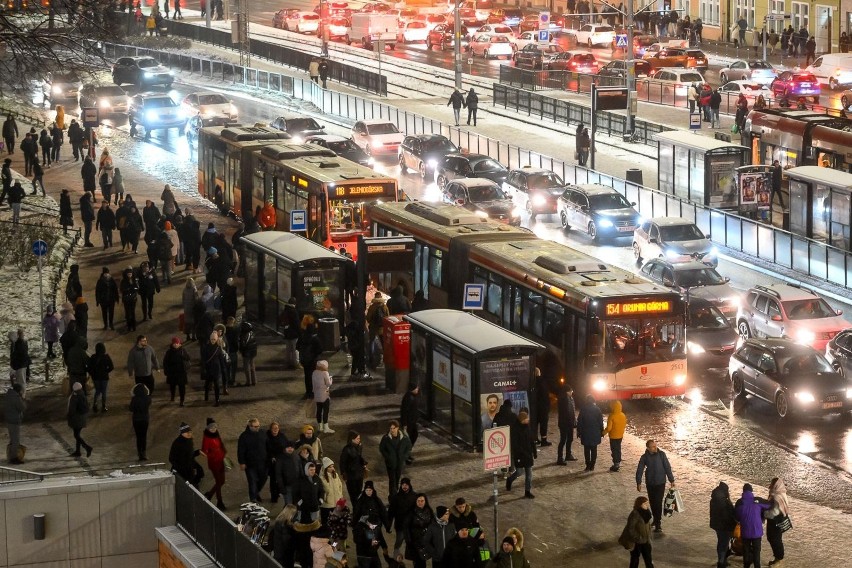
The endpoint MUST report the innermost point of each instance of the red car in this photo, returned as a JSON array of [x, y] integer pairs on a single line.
[[577, 61], [793, 85]]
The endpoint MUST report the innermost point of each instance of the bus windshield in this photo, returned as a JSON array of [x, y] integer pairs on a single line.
[[628, 343], [346, 216]]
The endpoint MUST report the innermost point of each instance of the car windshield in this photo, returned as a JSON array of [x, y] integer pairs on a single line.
[[146, 62], [485, 193], [698, 277], [488, 165], [806, 364], [707, 317], [159, 102], [680, 233], [110, 91], [808, 309], [439, 145], [341, 146], [544, 181], [302, 124], [212, 99], [608, 201], [382, 128]]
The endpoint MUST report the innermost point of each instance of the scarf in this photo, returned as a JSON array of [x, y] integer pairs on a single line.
[[645, 514]]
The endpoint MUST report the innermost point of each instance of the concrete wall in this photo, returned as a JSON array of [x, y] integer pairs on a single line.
[[90, 522]]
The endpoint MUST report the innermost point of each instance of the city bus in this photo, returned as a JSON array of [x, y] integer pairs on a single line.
[[607, 331], [330, 190]]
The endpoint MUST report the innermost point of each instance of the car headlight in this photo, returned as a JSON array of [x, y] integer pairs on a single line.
[[148, 74], [482, 214], [539, 200], [672, 254], [605, 223], [151, 115], [432, 163], [298, 139], [104, 103], [805, 396], [371, 161], [57, 90], [805, 336], [849, 393], [599, 385], [679, 380], [694, 348], [713, 252], [181, 114], [208, 114], [516, 212]]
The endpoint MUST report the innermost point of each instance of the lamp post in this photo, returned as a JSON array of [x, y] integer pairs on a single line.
[[457, 45]]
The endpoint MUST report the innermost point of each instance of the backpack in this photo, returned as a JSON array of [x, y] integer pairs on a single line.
[[378, 315]]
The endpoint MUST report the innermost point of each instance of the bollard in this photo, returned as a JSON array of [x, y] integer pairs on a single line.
[[634, 175]]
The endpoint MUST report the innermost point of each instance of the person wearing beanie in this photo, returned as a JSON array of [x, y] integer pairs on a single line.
[[182, 456], [339, 519], [657, 469], [214, 448], [308, 438], [140, 407], [332, 489], [176, 361], [400, 506], [353, 466], [748, 510], [439, 533], [510, 556], [77, 413], [251, 455], [524, 453], [322, 381]]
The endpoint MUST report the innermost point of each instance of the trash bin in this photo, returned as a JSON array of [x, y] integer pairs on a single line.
[[396, 341], [329, 334], [634, 175]]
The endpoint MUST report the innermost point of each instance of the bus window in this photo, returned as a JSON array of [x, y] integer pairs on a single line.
[[662, 339], [554, 323], [436, 268], [622, 343], [421, 268], [532, 315]]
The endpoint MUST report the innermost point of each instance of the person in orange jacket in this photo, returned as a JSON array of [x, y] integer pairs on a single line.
[[616, 423], [267, 219]]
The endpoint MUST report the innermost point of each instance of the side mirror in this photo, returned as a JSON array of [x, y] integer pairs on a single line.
[[668, 282], [727, 279], [652, 241], [633, 203], [839, 312], [776, 317], [459, 201]]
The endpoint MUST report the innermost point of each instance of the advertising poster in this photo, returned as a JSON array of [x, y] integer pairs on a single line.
[[748, 188], [461, 378], [505, 379], [441, 366], [722, 179]]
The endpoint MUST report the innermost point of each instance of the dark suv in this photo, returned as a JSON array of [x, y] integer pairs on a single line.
[[142, 72], [154, 111], [534, 56], [422, 152]]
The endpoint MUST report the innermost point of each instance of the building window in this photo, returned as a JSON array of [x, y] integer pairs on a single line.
[[800, 13], [708, 10], [745, 8], [776, 7]]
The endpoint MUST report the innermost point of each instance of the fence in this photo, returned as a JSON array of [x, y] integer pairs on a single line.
[[214, 532], [9, 475], [340, 72]]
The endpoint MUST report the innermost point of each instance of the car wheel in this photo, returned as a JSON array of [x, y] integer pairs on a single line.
[[593, 232], [442, 182], [723, 78], [738, 386], [423, 170], [782, 405], [563, 219], [844, 100], [637, 252], [744, 329], [402, 167]]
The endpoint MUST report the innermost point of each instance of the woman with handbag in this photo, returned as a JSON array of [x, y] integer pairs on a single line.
[[775, 520]]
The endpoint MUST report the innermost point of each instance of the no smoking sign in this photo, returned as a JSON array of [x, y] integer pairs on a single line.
[[496, 448]]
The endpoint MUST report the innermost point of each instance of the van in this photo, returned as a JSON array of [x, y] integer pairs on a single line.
[[372, 27], [833, 69]]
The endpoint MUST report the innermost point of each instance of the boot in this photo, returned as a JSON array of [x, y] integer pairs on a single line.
[[327, 429], [528, 495], [509, 481]]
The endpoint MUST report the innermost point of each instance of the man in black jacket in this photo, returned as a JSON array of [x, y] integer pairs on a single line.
[[463, 550], [408, 415], [287, 472], [87, 214], [6, 175], [75, 137], [567, 419], [523, 453], [105, 223], [182, 456], [353, 466], [457, 100], [472, 104], [251, 455], [400, 506], [106, 296]]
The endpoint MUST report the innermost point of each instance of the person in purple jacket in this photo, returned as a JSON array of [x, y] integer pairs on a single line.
[[749, 513]]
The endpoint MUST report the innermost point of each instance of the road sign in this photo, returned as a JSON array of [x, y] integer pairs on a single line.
[[695, 121], [39, 248], [474, 296], [298, 220], [620, 40], [776, 17], [91, 117], [543, 20], [496, 449], [543, 36]]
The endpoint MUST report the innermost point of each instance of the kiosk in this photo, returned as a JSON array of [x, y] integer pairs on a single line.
[[280, 266], [466, 368], [699, 169], [820, 204]]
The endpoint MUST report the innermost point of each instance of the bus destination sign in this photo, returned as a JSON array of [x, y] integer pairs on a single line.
[[355, 191], [635, 308]]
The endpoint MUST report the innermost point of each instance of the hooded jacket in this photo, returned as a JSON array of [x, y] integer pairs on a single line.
[[308, 494], [78, 409], [616, 422], [464, 518], [721, 509], [778, 496], [140, 403], [351, 461], [175, 365], [749, 512], [106, 291], [401, 504], [100, 364], [657, 468], [332, 485]]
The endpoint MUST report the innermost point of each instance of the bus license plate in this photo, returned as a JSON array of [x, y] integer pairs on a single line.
[[642, 395], [827, 405]]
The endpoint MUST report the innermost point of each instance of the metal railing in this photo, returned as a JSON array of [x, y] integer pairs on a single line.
[[10, 475], [214, 532], [338, 72]]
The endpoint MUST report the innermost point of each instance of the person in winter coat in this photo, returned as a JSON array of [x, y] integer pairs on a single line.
[[275, 443], [73, 289], [10, 132], [616, 423], [313, 70], [715, 104], [78, 411], [140, 407], [463, 515], [400, 506], [308, 438], [657, 469], [214, 367], [398, 302], [637, 533], [589, 428], [248, 351], [100, 366], [75, 137], [748, 511], [437, 536], [14, 406], [149, 285], [57, 136], [584, 144], [332, 489], [132, 229], [457, 100], [76, 357], [523, 453], [176, 363], [229, 299], [251, 455], [339, 519], [213, 447], [283, 535], [66, 217], [118, 185], [6, 175], [89, 173], [16, 197], [567, 421], [353, 466], [188, 298], [321, 382], [395, 448], [472, 104], [29, 146], [463, 550], [289, 325], [722, 521], [369, 504], [780, 506], [287, 472], [81, 316], [19, 358], [182, 456], [169, 203], [310, 349], [323, 72], [742, 111], [46, 144], [87, 215], [165, 252], [191, 238], [50, 325], [415, 526], [129, 288], [308, 496], [368, 537], [408, 415], [105, 223], [510, 556]]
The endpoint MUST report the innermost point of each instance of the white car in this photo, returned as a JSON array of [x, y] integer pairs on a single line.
[[675, 78], [214, 108], [432, 20], [525, 39], [338, 27], [413, 32], [377, 136], [594, 34], [302, 22], [750, 89], [497, 29], [675, 239], [757, 71], [489, 46]]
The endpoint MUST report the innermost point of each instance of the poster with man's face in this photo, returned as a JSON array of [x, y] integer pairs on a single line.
[[490, 404]]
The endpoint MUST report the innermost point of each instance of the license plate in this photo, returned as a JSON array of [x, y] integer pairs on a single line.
[[642, 395], [626, 229], [827, 405], [805, 84]]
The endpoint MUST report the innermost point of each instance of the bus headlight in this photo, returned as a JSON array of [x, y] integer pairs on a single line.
[[599, 385], [694, 348], [849, 393], [104, 103], [57, 90], [679, 380]]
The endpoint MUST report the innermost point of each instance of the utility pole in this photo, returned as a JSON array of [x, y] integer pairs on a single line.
[[631, 66], [240, 31], [457, 46]]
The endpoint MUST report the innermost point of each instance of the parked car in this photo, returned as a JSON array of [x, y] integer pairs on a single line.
[[61, 86], [793, 312], [299, 128], [343, 147], [666, 57], [598, 210], [423, 152], [302, 22], [528, 38], [214, 108], [141, 71], [577, 61], [443, 36], [618, 68], [757, 71], [695, 280], [535, 56], [154, 111], [414, 32], [108, 98], [838, 351], [489, 46], [673, 238], [377, 136], [593, 34], [455, 166], [793, 378], [793, 85], [482, 196], [535, 190], [673, 80], [710, 337]]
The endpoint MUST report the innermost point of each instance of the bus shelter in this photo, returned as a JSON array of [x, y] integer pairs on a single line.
[[280, 266], [466, 367], [820, 204], [699, 169]]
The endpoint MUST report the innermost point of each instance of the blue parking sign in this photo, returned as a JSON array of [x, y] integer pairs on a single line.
[[543, 35], [620, 40]]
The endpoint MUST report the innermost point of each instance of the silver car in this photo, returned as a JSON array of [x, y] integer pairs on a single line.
[[695, 280], [108, 98], [598, 210], [758, 71], [675, 239]]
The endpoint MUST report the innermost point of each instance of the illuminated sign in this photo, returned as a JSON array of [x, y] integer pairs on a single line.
[[301, 182], [364, 190], [639, 308]]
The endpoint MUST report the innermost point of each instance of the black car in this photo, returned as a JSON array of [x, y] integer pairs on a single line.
[[298, 128], [794, 378], [454, 166], [343, 147], [839, 352], [618, 68], [710, 337], [422, 152], [142, 72], [535, 56], [483, 197], [61, 86]]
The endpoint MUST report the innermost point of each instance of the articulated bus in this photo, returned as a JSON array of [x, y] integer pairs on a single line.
[[607, 331]]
